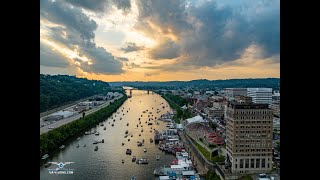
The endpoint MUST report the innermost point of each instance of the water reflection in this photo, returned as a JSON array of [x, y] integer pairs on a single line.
[[106, 163]]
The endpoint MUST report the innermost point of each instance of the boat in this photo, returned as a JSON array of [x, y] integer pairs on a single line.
[[78, 138], [142, 161], [122, 161], [97, 133], [45, 156], [128, 151], [134, 158], [87, 133], [145, 150], [47, 165], [104, 128], [126, 131], [96, 148], [158, 157], [62, 146]]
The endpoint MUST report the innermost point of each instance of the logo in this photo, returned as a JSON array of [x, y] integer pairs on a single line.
[[60, 169]]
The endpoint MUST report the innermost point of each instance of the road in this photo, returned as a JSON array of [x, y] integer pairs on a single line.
[[61, 122]]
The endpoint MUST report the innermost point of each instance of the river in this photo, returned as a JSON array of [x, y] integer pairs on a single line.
[[106, 162]]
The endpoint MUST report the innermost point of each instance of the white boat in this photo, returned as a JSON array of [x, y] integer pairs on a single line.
[[145, 150], [62, 146], [78, 138], [97, 133]]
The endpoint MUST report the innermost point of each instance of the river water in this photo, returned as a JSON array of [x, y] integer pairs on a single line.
[[106, 162]]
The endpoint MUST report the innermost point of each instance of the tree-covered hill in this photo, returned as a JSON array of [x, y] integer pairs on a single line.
[[204, 83], [57, 90]]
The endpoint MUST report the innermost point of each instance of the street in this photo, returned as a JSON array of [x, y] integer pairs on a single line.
[[61, 122]]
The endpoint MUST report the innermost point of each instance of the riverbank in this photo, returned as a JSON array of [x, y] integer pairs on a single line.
[[50, 141], [181, 114]]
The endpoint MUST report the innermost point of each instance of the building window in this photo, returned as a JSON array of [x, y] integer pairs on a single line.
[[247, 163], [263, 165], [252, 163], [257, 163], [241, 163], [236, 166]]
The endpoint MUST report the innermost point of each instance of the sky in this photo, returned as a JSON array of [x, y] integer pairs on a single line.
[[160, 40]]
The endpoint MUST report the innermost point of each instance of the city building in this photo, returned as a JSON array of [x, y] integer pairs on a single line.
[[276, 108], [232, 92], [214, 112], [260, 95], [249, 137]]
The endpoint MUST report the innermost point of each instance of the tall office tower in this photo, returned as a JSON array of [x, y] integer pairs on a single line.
[[260, 95], [249, 137]]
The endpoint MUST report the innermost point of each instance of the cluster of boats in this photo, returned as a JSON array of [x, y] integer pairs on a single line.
[[180, 168]]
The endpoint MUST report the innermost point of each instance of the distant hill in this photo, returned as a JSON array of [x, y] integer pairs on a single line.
[[204, 83], [57, 90]]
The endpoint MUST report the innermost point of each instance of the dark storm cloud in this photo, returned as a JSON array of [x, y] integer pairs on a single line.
[[209, 34], [101, 5], [104, 62], [131, 46], [51, 58], [77, 32], [165, 50]]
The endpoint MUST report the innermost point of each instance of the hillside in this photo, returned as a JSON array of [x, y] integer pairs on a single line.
[[204, 83], [57, 90]]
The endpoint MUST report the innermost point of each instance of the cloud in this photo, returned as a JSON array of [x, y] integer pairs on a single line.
[[132, 65], [166, 50], [131, 46], [209, 33], [101, 5], [122, 59], [50, 57], [75, 31]]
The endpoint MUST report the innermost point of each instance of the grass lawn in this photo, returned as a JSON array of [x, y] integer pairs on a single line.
[[206, 153]]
